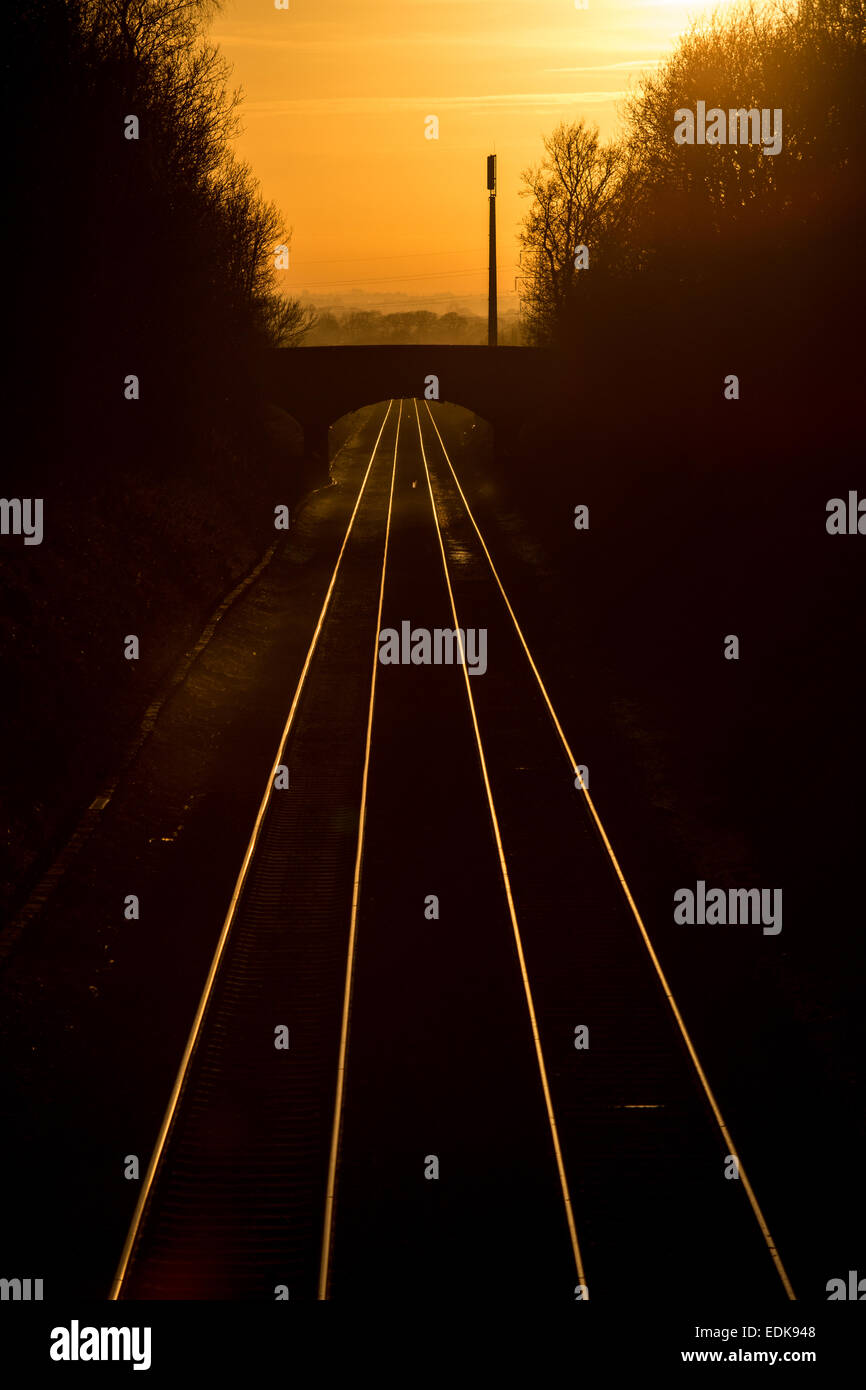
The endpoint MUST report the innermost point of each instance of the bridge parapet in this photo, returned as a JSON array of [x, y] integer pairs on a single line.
[[319, 385]]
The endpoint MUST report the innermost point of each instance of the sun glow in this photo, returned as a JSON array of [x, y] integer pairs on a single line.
[[335, 103]]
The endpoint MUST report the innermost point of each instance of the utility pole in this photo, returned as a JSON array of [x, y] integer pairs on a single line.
[[492, 333]]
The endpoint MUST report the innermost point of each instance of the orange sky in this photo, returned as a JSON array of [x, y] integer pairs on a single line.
[[336, 92]]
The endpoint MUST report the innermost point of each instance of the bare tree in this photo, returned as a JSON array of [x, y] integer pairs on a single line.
[[579, 198], [287, 321]]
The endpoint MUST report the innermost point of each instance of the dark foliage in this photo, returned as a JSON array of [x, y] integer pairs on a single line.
[[723, 239], [151, 257]]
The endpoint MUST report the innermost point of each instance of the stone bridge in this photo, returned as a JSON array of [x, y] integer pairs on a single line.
[[318, 385]]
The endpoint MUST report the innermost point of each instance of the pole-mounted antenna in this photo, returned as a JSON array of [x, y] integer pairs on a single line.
[[492, 332]]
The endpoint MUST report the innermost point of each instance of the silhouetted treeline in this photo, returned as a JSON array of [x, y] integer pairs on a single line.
[[141, 288], [724, 232], [411, 326], [140, 244]]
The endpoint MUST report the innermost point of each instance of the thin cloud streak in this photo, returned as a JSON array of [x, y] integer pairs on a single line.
[[355, 106], [631, 65]]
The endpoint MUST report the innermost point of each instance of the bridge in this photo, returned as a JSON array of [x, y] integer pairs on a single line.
[[319, 385]]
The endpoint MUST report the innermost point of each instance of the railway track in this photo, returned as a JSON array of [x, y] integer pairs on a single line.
[[488, 1088]]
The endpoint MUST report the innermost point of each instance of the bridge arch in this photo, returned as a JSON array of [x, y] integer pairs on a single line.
[[319, 385]]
